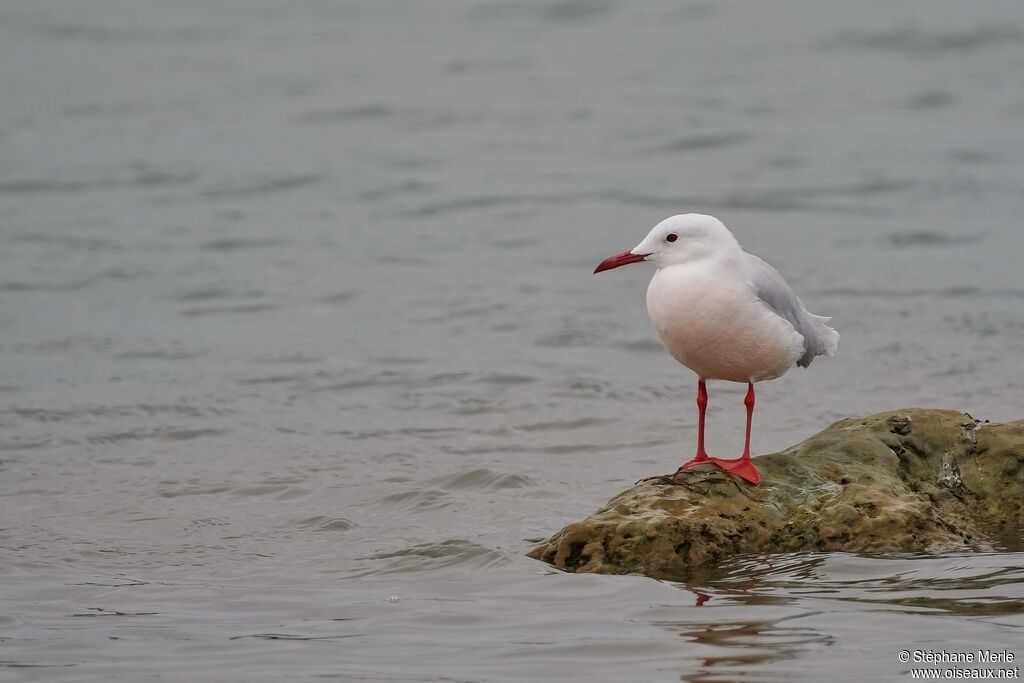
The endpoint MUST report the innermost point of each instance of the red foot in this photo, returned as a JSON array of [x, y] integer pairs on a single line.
[[741, 467], [699, 460]]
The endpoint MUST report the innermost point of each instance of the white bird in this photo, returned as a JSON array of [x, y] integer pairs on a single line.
[[725, 314]]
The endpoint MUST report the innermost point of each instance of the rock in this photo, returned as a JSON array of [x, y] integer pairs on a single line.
[[908, 480]]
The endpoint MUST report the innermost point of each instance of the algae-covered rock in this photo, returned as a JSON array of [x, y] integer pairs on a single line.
[[907, 480]]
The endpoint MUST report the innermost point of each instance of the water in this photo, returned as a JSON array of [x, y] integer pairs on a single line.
[[301, 350]]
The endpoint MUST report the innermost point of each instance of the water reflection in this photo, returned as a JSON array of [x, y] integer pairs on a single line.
[[805, 601]]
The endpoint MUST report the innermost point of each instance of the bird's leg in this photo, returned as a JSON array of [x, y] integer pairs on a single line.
[[743, 467], [749, 403], [702, 406]]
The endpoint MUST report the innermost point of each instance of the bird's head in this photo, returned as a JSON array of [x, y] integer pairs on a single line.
[[678, 239]]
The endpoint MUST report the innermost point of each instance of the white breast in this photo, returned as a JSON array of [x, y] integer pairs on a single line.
[[710, 320]]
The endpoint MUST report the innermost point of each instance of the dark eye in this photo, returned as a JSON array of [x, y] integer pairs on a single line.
[[671, 237]]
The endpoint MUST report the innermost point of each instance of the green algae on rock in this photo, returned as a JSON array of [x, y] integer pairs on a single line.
[[906, 480]]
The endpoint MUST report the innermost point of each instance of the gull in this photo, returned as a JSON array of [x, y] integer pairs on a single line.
[[725, 314]]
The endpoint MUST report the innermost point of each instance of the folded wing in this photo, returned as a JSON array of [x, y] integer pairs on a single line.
[[773, 290]]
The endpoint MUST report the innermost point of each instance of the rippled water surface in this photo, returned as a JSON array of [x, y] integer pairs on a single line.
[[301, 348]]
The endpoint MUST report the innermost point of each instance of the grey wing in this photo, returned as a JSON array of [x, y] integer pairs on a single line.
[[773, 290]]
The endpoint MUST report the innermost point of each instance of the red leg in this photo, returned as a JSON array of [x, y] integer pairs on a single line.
[[749, 403], [702, 406], [743, 467]]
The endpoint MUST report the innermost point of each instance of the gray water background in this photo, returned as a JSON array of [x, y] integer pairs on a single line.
[[297, 316]]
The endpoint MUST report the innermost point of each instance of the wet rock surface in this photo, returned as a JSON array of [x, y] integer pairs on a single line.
[[906, 480]]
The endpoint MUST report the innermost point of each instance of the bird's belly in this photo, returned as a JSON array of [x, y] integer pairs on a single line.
[[721, 332]]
